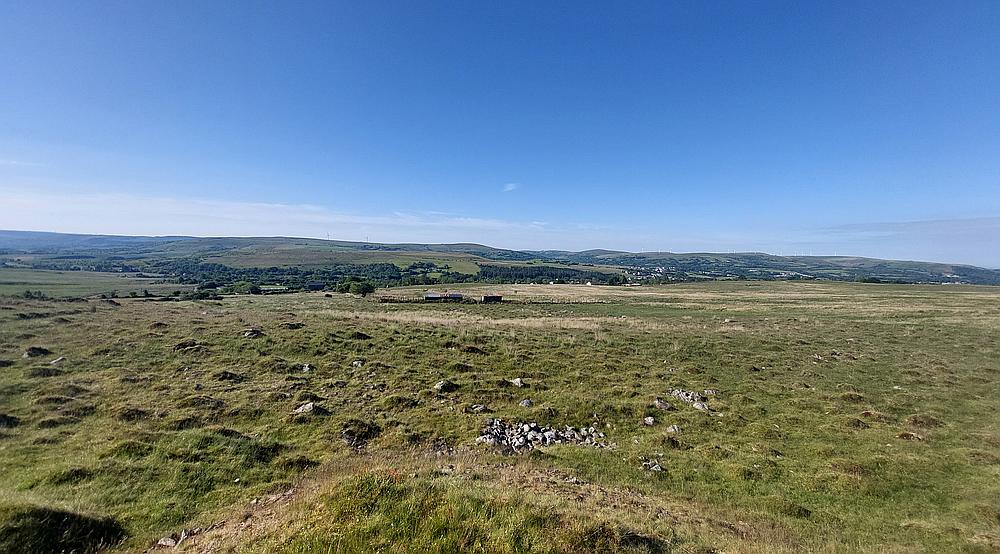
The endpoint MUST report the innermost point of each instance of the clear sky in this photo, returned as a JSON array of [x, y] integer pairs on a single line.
[[845, 127]]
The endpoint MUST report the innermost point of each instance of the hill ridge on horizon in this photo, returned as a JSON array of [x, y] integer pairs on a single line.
[[555, 254]]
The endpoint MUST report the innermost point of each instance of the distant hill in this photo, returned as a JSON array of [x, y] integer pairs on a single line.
[[99, 252]]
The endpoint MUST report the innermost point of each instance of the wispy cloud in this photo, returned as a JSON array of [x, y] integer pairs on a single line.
[[9, 162], [931, 227], [147, 215], [511, 187], [956, 240]]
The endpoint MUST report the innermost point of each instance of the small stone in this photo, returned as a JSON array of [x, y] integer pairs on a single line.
[[526, 403], [700, 406], [358, 363], [166, 542], [518, 382], [310, 408], [445, 385], [662, 404], [648, 421], [253, 333], [306, 368], [673, 429], [710, 392]]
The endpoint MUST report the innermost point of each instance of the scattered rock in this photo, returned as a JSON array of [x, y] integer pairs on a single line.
[[36, 351], [166, 542], [649, 464], [476, 409], [710, 392], [687, 396], [518, 382], [306, 368], [700, 406], [311, 408], [648, 421], [908, 436], [514, 437], [662, 404], [358, 363], [58, 360], [673, 429], [526, 403], [445, 386], [252, 333]]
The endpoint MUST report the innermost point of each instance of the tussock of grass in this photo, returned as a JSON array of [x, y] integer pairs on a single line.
[[380, 511], [31, 529]]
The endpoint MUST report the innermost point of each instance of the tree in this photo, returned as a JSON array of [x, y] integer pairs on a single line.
[[363, 288]]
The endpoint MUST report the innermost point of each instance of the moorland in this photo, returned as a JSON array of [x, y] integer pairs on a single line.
[[738, 416]]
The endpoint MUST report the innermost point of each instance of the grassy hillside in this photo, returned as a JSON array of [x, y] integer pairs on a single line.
[[453, 262], [842, 417]]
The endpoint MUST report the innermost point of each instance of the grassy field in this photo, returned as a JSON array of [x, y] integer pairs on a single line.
[[322, 257], [61, 284], [317, 256], [847, 418]]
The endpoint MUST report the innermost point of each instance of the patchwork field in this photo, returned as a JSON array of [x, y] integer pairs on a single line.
[[833, 417], [15, 281]]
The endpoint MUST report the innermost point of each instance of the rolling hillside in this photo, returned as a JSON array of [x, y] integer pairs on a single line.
[[121, 253]]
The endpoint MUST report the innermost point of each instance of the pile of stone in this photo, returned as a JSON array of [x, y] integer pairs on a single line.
[[515, 437], [697, 401], [651, 464]]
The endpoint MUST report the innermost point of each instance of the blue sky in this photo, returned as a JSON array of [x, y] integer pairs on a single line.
[[863, 128]]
